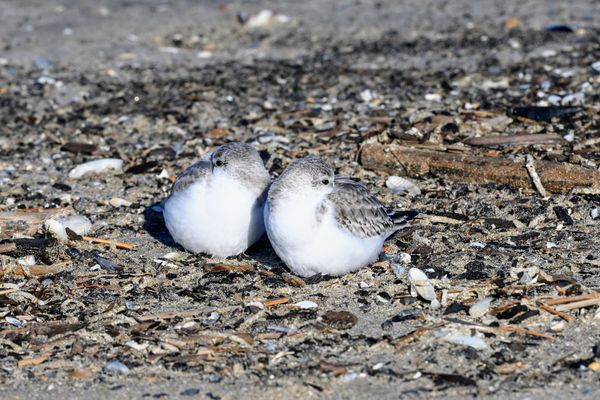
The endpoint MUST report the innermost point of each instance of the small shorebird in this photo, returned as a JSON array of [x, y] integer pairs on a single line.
[[216, 205], [321, 223]]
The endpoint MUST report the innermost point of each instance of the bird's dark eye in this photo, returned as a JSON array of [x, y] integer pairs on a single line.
[[325, 181], [219, 163]]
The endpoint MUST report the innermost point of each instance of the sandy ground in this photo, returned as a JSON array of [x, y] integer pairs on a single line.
[[158, 84]]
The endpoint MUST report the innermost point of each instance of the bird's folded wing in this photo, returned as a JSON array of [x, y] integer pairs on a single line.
[[357, 210], [193, 173]]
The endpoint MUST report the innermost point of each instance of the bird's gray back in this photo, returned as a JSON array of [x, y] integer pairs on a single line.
[[195, 172]]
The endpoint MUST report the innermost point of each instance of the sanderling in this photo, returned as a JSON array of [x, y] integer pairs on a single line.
[[321, 223], [216, 205]]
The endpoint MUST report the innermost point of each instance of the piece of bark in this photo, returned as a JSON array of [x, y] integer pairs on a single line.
[[514, 140], [7, 247], [9, 266], [25, 222], [459, 167]]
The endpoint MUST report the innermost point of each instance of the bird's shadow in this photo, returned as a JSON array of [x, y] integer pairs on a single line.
[[261, 251], [154, 224]]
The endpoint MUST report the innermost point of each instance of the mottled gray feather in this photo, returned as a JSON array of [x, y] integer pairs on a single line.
[[357, 210], [192, 174]]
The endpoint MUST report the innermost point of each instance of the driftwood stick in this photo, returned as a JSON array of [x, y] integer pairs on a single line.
[[460, 167], [514, 140]]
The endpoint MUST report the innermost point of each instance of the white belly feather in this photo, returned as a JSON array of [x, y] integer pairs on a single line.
[[220, 217], [309, 246]]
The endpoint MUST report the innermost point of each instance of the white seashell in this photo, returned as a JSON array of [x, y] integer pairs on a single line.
[[421, 285], [465, 340], [137, 346], [118, 202], [398, 184], [480, 308], [96, 167], [256, 304], [306, 304], [77, 223], [26, 260]]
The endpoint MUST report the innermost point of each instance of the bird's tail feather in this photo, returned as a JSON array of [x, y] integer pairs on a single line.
[[402, 218]]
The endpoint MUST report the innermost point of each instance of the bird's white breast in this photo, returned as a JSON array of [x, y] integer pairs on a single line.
[[218, 216], [309, 244]]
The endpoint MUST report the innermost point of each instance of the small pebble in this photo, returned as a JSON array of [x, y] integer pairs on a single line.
[[480, 308], [116, 367], [14, 321], [433, 97], [558, 326], [190, 392], [106, 264], [118, 202], [213, 317]]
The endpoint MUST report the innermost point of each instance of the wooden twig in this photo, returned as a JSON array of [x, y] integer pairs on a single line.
[[506, 328], [118, 245], [529, 164], [578, 304], [551, 310], [460, 167], [563, 300], [273, 302], [411, 336], [523, 331]]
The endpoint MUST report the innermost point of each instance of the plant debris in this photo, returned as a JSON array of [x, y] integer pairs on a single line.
[[480, 118]]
